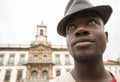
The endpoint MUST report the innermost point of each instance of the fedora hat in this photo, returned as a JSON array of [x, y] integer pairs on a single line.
[[75, 6]]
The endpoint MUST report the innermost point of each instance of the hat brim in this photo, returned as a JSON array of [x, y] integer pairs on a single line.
[[104, 10]]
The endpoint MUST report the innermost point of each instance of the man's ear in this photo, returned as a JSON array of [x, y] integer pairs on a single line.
[[106, 33]]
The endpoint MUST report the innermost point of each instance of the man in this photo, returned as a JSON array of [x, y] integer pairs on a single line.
[[83, 27]]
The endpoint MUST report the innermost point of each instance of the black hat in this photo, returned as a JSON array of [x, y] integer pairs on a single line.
[[75, 6]]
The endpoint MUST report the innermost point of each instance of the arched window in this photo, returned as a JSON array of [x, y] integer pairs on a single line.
[[45, 74], [34, 74], [41, 32]]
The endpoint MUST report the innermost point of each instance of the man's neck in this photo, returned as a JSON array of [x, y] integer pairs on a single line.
[[93, 71]]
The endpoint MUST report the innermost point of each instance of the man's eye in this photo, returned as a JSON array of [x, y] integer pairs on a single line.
[[92, 22], [71, 27]]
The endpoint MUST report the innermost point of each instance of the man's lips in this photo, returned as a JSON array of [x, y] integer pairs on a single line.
[[82, 42]]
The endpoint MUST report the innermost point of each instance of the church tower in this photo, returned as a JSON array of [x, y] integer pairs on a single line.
[[39, 65], [41, 35]]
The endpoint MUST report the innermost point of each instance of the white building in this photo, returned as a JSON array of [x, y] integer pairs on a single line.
[[11, 62], [39, 61]]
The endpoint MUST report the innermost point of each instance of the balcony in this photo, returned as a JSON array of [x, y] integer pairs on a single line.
[[39, 62], [34, 80]]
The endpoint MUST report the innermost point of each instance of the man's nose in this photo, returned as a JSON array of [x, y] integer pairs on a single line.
[[81, 31]]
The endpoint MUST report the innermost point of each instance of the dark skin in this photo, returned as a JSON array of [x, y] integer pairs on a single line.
[[86, 41]]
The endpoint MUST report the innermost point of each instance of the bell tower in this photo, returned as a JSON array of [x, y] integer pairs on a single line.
[[39, 64], [41, 35]]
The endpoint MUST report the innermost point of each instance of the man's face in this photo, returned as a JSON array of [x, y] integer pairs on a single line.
[[85, 36]]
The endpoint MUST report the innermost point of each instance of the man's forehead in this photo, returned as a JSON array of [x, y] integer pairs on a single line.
[[86, 14]]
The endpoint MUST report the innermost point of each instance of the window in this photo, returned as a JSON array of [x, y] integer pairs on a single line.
[[35, 58], [41, 32], [57, 59], [58, 72], [22, 59], [1, 59], [19, 75], [67, 59], [7, 76], [45, 74], [44, 58], [11, 59], [34, 74]]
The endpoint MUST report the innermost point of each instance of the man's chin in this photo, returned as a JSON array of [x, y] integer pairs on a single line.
[[90, 58]]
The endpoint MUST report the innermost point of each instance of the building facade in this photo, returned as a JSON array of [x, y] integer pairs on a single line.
[[38, 62]]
